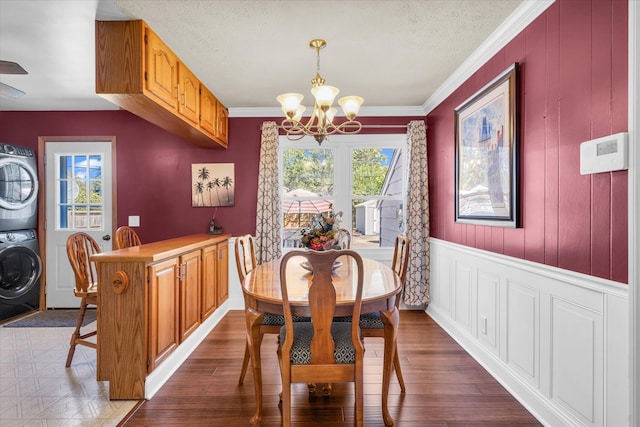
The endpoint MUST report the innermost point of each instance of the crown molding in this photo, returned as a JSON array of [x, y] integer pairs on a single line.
[[364, 112], [510, 28]]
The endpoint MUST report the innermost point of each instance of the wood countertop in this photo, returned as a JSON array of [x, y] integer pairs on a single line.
[[157, 251]]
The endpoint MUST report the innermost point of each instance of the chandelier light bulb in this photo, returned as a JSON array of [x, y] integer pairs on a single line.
[[299, 112], [324, 96], [290, 103], [351, 105], [331, 113]]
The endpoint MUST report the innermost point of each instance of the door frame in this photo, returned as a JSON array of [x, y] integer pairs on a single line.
[[42, 197]]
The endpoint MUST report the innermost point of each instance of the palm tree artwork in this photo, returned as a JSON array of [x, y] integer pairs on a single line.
[[212, 184]]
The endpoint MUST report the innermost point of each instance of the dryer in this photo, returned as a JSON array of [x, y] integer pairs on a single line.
[[18, 188], [20, 271]]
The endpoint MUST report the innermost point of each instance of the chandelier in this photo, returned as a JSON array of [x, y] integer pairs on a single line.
[[320, 124]]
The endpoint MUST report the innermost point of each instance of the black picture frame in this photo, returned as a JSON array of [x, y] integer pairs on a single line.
[[487, 171]]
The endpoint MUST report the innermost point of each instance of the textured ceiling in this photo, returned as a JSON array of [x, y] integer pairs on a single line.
[[393, 53]]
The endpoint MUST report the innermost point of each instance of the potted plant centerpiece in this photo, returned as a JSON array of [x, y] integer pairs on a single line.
[[325, 234]]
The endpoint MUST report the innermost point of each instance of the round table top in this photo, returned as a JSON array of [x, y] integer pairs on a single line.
[[263, 283]]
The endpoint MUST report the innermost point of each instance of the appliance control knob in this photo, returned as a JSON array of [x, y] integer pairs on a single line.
[[9, 149]]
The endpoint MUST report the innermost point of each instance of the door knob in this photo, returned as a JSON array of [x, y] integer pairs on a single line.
[[106, 237]]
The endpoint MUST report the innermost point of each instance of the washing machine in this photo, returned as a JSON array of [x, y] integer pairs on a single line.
[[20, 271], [18, 188]]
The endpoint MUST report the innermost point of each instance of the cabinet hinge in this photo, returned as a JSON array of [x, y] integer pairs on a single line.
[[145, 76], [148, 362], [145, 39]]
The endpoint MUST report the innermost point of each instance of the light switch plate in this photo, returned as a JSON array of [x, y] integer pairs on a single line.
[[134, 221]]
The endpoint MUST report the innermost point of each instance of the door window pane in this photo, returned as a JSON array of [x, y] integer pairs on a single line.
[[79, 192]]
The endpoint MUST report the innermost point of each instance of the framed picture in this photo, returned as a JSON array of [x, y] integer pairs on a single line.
[[212, 184], [486, 154]]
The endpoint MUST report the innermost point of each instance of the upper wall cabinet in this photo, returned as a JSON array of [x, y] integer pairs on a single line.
[[138, 72]]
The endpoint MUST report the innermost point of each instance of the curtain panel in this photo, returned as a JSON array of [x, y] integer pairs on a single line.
[[268, 215], [417, 287]]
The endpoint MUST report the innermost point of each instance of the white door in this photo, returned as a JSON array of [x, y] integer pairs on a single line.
[[78, 198]]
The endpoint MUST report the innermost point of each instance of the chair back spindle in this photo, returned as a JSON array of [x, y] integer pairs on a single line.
[[126, 237], [245, 255], [80, 247]]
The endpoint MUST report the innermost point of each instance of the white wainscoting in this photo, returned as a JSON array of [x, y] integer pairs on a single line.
[[557, 340]]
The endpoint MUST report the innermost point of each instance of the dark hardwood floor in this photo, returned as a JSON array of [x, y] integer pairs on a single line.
[[445, 386]]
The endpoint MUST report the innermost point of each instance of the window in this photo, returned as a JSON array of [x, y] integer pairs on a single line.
[[361, 176], [79, 192]]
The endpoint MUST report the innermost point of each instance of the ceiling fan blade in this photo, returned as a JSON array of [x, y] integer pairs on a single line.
[[8, 67], [10, 91]]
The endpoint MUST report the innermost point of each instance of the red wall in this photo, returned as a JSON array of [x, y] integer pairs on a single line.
[[154, 166], [573, 87]]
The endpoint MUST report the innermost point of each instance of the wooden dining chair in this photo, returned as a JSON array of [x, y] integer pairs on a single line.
[[126, 237], [80, 247], [271, 323], [371, 324], [321, 350], [345, 238]]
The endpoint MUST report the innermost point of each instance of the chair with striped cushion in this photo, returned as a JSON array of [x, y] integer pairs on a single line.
[[321, 350], [371, 324], [271, 323]]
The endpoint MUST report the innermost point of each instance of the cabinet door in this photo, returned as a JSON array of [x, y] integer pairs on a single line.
[[188, 94], [163, 311], [189, 293], [208, 115], [222, 124], [223, 272], [209, 298], [161, 73]]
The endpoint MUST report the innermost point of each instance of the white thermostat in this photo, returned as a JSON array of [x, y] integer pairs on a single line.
[[609, 153]]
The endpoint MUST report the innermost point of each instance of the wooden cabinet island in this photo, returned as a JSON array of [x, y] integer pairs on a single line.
[[151, 298]]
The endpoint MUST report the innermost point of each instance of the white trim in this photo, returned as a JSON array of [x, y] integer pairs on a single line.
[[372, 111], [526, 323], [634, 213], [586, 281], [514, 24]]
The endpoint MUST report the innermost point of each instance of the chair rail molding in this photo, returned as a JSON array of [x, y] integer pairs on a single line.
[[557, 340]]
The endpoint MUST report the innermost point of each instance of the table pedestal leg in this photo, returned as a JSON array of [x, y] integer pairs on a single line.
[[390, 320], [254, 320]]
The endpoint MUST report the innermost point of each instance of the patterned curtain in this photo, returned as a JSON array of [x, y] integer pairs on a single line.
[[267, 242], [417, 288]]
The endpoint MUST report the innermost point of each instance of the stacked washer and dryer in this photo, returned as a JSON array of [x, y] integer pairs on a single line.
[[20, 264]]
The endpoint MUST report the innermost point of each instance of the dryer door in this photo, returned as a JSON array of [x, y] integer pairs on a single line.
[[20, 270], [18, 184]]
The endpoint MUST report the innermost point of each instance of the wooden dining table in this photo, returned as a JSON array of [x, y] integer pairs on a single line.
[[262, 294]]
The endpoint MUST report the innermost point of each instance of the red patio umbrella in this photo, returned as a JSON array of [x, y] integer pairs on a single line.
[[307, 205]]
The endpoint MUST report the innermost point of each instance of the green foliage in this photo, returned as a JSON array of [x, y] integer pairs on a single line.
[[368, 171], [309, 169], [313, 170]]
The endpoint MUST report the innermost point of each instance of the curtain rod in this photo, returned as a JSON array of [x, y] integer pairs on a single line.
[[367, 126]]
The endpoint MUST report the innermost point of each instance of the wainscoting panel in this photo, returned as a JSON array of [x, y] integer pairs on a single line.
[[577, 360], [523, 349], [462, 295], [557, 340], [487, 309]]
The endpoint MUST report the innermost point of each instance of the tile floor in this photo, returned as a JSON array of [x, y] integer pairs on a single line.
[[37, 390]]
